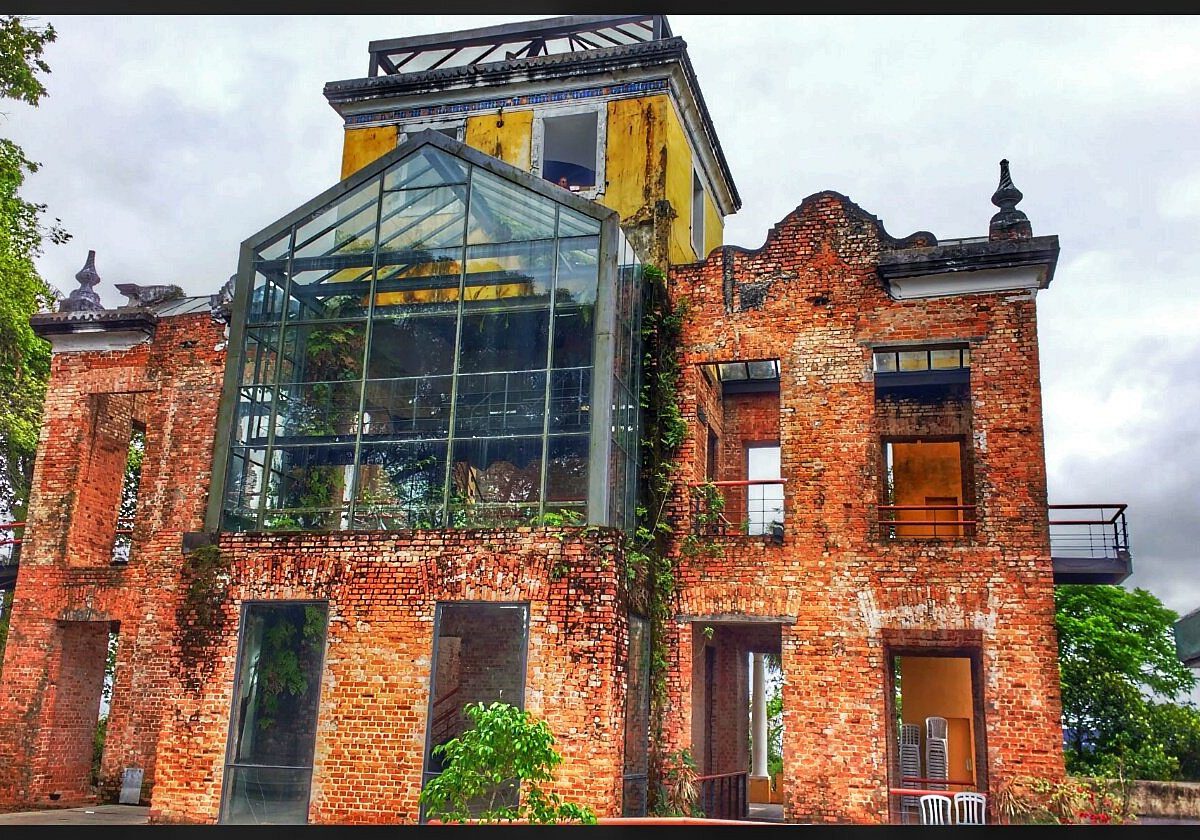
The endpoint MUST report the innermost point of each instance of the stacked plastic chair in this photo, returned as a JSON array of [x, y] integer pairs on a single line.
[[910, 761], [937, 765]]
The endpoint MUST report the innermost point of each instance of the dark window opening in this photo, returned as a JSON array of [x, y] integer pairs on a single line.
[[569, 150], [698, 216], [637, 719], [273, 727], [478, 657], [129, 493], [921, 366]]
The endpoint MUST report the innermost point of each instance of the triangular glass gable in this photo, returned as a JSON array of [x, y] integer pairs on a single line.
[[418, 351]]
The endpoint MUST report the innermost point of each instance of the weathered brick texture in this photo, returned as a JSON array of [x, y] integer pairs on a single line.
[[811, 298]]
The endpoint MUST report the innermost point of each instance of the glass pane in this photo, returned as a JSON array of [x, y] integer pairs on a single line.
[[495, 482], [268, 292], [504, 339], [400, 486], [432, 217], [275, 712], [571, 223], [567, 469], [341, 230], [502, 211], [327, 410], [415, 407], [763, 370], [267, 796], [573, 336], [319, 294], [943, 359], [308, 485], [570, 400], [258, 364], [411, 342], [429, 167], [244, 485], [510, 271], [736, 370], [252, 416], [324, 352], [500, 403], [578, 264], [914, 360], [885, 362], [423, 280]]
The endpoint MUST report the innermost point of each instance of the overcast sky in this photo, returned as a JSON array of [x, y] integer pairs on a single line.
[[166, 141]]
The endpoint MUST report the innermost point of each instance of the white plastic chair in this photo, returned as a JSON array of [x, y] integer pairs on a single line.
[[910, 761], [935, 809], [970, 808]]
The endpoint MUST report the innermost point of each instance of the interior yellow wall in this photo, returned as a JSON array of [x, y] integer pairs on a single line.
[[364, 145], [510, 142], [941, 686], [924, 470]]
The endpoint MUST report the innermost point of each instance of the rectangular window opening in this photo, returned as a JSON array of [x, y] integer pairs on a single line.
[[569, 150], [130, 485], [698, 216], [478, 657], [924, 493], [637, 720], [273, 727]]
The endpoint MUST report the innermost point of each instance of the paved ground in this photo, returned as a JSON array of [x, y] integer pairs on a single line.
[[90, 815]]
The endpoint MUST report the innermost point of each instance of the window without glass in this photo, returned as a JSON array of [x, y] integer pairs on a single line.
[[273, 726], [478, 657], [569, 149], [698, 216], [421, 352]]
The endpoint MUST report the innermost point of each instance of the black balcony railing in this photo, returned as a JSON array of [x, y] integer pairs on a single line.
[[724, 796], [1089, 543], [731, 508]]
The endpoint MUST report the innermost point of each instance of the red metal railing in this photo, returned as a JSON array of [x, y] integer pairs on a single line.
[[11, 534], [927, 521], [724, 796], [729, 508]]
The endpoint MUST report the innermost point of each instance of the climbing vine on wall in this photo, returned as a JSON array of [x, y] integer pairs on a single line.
[[648, 550], [200, 615]]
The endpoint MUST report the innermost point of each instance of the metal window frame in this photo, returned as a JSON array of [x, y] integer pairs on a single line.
[[608, 221], [226, 787], [433, 670]]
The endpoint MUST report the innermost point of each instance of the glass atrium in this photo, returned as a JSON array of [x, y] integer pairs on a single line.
[[441, 340]]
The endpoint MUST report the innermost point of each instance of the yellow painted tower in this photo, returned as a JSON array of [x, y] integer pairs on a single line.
[[607, 106]]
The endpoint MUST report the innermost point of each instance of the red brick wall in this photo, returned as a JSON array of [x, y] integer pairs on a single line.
[[811, 298], [65, 571], [382, 589]]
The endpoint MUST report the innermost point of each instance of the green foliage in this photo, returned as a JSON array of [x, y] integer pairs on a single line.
[[505, 747], [6, 599], [1026, 800], [280, 669], [24, 358], [1116, 649], [676, 793], [200, 616]]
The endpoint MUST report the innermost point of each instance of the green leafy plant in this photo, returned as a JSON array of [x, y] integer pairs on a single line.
[[1030, 800], [677, 794], [280, 668], [506, 751]]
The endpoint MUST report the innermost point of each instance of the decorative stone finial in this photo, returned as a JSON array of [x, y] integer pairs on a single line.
[[84, 299], [1009, 223]]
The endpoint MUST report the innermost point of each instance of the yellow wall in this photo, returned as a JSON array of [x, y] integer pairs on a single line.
[[941, 686], [925, 471], [363, 145], [647, 158], [510, 142]]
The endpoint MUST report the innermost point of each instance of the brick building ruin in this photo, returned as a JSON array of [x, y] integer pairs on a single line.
[[396, 465]]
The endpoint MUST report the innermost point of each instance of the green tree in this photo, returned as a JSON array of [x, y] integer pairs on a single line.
[[24, 358], [1116, 653], [505, 751]]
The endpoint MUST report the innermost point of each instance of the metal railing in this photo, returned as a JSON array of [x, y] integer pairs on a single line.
[[731, 508], [1102, 535], [941, 522], [724, 795]]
